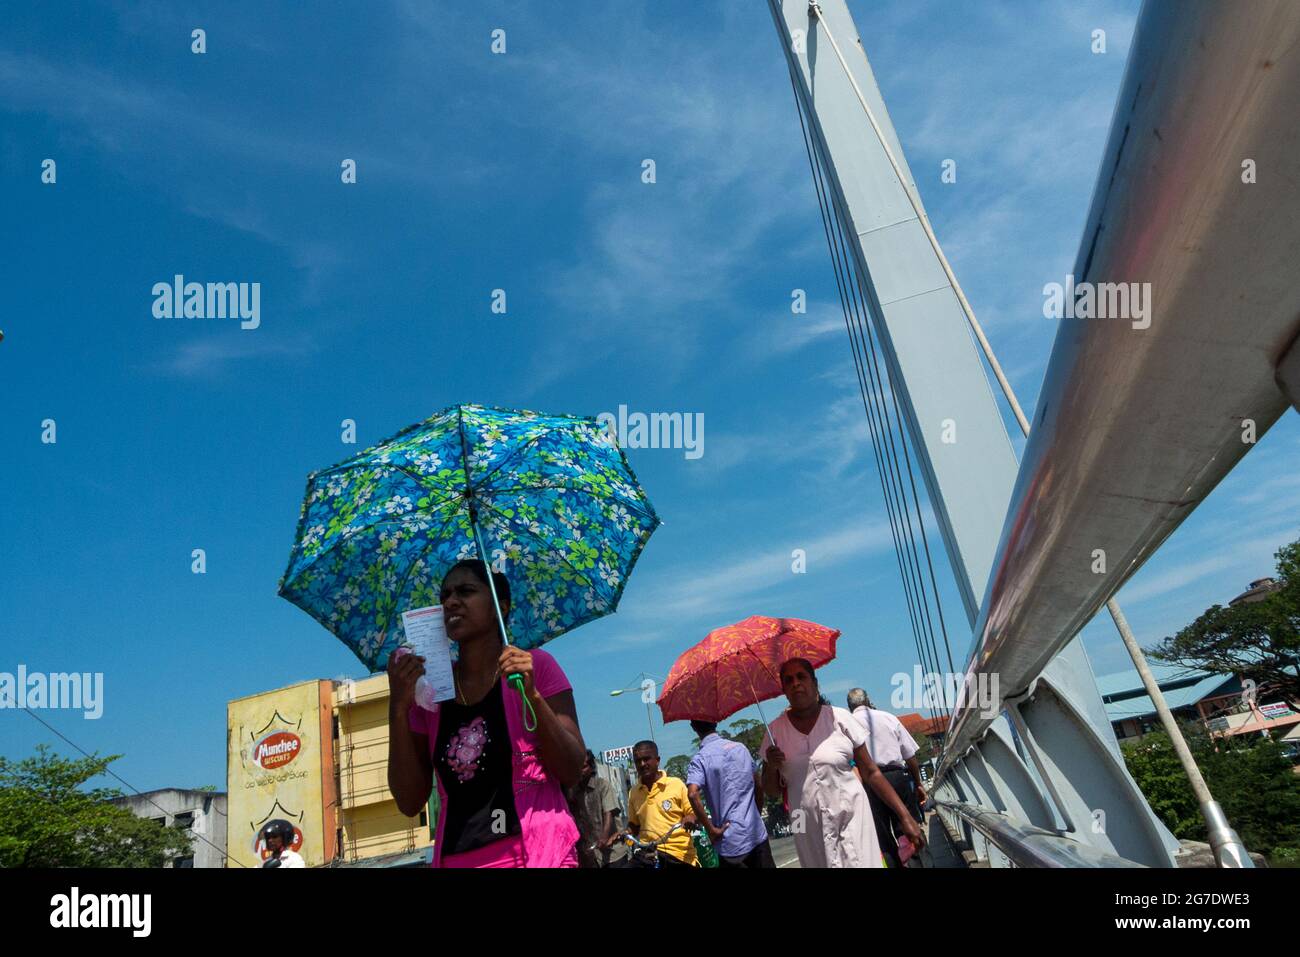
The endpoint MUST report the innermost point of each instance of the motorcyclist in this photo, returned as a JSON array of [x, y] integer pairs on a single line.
[[277, 836]]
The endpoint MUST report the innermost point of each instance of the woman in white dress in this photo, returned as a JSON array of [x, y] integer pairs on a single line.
[[820, 758]]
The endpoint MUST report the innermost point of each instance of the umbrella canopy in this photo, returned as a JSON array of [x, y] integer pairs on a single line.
[[548, 499], [739, 665]]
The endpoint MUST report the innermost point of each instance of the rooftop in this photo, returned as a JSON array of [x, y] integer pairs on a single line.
[[1126, 697], [189, 792], [1258, 591], [919, 724]]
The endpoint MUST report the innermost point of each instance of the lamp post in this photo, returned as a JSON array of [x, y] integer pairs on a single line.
[[647, 687]]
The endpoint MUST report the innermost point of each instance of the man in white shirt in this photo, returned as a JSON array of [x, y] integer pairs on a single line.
[[277, 836], [894, 751]]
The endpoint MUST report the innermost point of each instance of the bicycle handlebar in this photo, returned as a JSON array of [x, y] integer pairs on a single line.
[[639, 845]]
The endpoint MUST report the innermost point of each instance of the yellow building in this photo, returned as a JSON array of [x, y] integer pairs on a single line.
[[316, 754], [369, 821]]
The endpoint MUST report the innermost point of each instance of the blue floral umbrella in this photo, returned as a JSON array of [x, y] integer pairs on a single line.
[[549, 499]]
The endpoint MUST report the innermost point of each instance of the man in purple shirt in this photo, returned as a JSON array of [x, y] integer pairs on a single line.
[[723, 774]]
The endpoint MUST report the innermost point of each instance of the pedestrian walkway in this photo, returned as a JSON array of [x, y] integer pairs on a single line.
[[783, 852], [939, 850]]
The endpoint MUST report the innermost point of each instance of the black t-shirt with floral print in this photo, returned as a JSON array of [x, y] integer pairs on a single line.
[[473, 764]]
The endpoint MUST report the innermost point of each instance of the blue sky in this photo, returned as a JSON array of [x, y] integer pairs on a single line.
[[476, 172]]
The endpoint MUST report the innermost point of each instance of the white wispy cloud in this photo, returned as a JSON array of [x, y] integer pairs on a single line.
[[122, 115], [213, 354], [1173, 579], [653, 260], [728, 579], [780, 333], [315, 256], [823, 437]]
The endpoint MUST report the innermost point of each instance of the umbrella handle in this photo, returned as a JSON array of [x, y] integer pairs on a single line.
[[529, 714]]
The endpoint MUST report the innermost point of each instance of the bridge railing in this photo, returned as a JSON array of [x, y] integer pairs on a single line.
[[1003, 841], [1139, 416]]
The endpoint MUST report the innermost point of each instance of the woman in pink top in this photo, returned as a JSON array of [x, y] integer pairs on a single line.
[[500, 785]]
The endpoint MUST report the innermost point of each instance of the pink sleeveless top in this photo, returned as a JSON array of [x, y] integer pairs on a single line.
[[548, 833]]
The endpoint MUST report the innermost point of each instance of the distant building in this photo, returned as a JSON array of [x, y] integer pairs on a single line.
[[316, 755], [281, 765], [1219, 702], [1258, 591], [372, 832], [201, 813], [919, 726], [1131, 711], [926, 730]]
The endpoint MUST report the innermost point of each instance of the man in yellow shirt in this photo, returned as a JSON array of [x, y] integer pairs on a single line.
[[656, 804]]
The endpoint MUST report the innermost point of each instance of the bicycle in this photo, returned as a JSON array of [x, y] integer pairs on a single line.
[[645, 853]]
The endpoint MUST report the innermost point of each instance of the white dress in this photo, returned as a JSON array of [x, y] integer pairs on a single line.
[[837, 829]]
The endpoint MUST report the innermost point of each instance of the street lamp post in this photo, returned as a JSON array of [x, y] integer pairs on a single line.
[[647, 688]]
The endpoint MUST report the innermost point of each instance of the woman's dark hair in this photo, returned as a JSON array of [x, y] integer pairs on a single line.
[[807, 666], [479, 569]]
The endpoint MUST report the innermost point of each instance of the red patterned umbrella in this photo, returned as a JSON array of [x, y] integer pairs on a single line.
[[736, 666]]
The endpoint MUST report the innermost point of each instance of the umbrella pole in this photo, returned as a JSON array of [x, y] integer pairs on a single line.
[[767, 727], [515, 680], [482, 553]]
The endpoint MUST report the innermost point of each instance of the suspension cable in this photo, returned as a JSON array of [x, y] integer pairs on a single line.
[[842, 288], [883, 417]]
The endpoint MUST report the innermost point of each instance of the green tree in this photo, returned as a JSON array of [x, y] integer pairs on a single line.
[[749, 732], [677, 765], [1258, 640], [48, 820], [925, 747], [1249, 775], [1156, 769]]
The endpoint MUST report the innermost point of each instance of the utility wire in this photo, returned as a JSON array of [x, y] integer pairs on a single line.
[[138, 792]]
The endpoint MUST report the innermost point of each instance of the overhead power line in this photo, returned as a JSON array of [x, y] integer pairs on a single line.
[[135, 790]]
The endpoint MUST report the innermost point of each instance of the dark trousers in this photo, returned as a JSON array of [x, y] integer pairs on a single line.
[[888, 828], [669, 863], [759, 857]]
